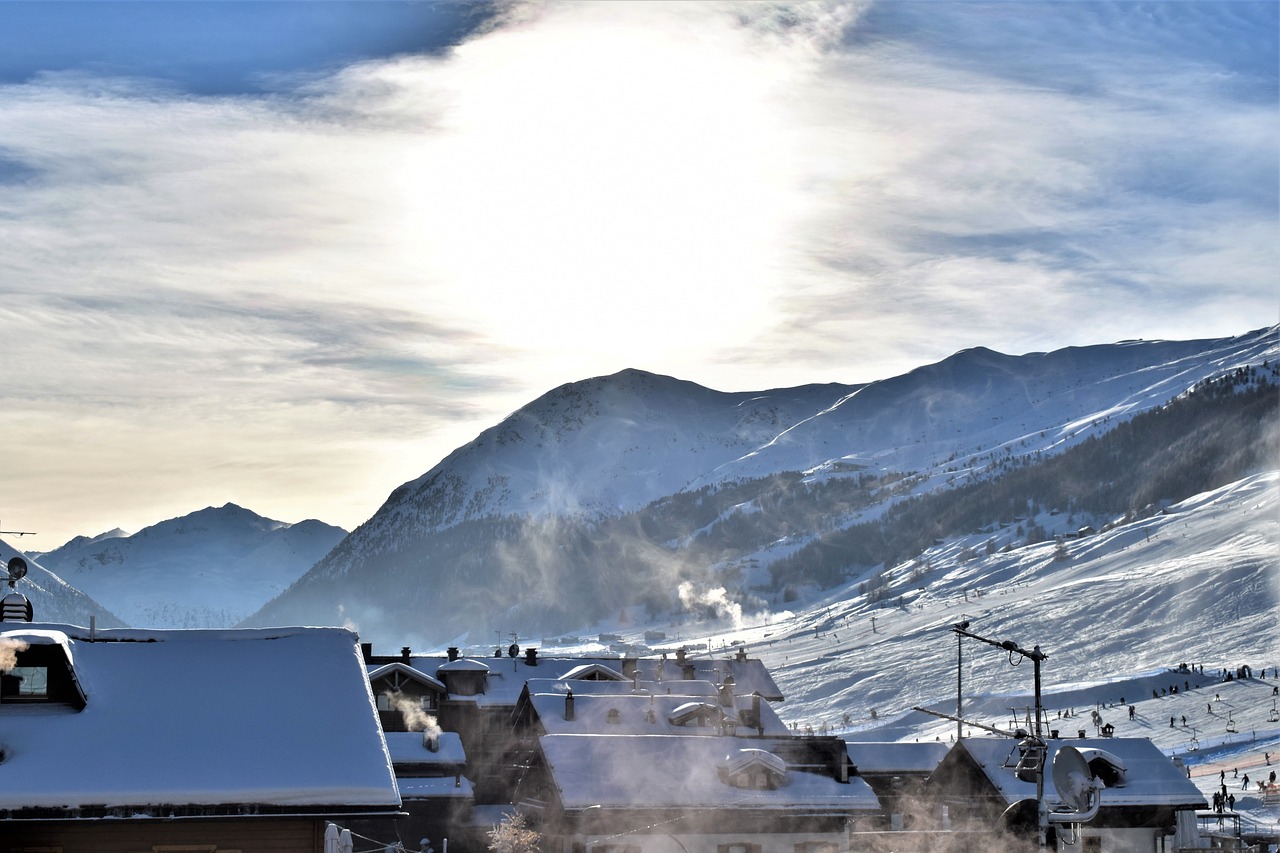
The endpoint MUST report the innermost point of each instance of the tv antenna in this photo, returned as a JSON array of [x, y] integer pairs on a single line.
[[17, 571]]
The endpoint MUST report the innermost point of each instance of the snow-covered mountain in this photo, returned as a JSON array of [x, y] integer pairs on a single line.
[[53, 599], [646, 493], [208, 569]]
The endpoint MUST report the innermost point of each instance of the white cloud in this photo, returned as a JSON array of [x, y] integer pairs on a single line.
[[330, 287]]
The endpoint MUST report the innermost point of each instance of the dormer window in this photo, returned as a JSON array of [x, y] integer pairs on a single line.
[[37, 669], [755, 769], [696, 714]]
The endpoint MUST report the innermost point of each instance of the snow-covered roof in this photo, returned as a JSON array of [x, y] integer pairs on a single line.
[[389, 669], [593, 671], [636, 713], [463, 665], [507, 675], [410, 748], [686, 689], [436, 787], [681, 771], [200, 719], [1150, 777], [876, 758]]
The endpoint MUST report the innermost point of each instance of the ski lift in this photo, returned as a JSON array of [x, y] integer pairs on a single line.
[[1231, 724], [1274, 716]]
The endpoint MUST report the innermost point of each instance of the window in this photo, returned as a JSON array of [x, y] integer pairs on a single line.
[[26, 682]]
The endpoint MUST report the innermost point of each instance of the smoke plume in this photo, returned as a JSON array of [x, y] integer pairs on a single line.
[[9, 653]]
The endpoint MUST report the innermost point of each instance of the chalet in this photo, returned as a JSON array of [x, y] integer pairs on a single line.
[[132, 740], [985, 785], [685, 766], [430, 769], [897, 772]]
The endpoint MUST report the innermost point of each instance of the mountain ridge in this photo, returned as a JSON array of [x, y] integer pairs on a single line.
[[203, 569], [543, 505]]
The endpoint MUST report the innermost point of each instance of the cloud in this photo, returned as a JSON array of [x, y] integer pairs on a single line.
[[354, 273]]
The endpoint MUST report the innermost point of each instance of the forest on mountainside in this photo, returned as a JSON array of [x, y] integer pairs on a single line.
[[1219, 432]]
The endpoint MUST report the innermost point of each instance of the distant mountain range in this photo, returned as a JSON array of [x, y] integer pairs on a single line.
[[645, 493], [208, 569]]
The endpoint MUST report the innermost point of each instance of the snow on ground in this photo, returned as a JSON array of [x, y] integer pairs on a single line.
[[1197, 585]]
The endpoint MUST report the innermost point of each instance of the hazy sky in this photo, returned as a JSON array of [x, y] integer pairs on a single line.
[[292, 254]]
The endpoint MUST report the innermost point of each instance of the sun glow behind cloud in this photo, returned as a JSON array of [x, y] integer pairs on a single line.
[[335, 283], [604, 189]]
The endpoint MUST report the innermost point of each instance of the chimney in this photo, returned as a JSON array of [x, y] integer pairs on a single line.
[[530, 656], [431, 740], [742, 654], [680, 656], [404, 654], [629, 667], [453, 653], [755, 714], [726, 692], [688, 671], [568, 705], [366, 650]]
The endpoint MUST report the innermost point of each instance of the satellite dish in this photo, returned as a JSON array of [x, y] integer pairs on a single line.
[[17, 569], [513, 650], [1072, 778]]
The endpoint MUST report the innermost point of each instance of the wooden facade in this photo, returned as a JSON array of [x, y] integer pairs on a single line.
[[158, 835]]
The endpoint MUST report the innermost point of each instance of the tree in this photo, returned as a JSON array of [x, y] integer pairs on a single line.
[[512, 836]]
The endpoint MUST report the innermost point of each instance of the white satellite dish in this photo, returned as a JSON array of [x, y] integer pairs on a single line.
[[1078, 790], [1072, 778], [17, 569]]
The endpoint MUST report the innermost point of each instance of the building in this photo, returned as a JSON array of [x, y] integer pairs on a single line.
[[987, 786], [142, 740]]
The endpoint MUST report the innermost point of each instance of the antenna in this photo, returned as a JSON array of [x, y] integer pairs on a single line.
[[16, 533], [17, 571]]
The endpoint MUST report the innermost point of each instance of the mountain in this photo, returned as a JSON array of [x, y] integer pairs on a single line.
[[655, 495], [208, 569], [53, 599]]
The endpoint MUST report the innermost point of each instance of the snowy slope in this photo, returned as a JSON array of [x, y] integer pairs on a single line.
[[979, 402], [600, 446], [558, 497], [1116, 616], [615, 443], [207, 569], [53, 599]]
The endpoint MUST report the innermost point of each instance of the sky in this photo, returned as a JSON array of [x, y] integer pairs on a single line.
[[291, 254]]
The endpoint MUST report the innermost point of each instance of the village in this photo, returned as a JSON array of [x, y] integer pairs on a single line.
[[305, 739]]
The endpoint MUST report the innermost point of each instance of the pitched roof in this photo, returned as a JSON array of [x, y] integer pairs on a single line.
[[507, 675], [683, 772], [636, 713], [871, 757], [200, 720], [1150, 777], [392, 669]]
